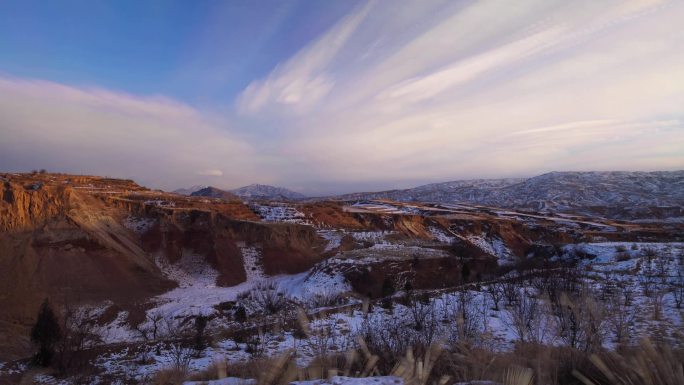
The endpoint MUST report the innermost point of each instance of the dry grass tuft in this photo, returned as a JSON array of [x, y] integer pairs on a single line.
[[517, 375], [168, 376], [646, 365]]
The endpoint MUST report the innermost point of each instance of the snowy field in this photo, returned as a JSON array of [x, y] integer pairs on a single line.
[[647, 271]]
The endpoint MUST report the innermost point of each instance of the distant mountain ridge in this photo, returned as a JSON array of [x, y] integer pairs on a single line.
[[213, 192], [611, 193], [253, 191], [262, 191], [189, 190]]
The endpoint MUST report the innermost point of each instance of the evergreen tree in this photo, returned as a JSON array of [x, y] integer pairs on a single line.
[[240, 314], [200, 339], [45, 334], [387, 293], [465, 272], [387, 287]]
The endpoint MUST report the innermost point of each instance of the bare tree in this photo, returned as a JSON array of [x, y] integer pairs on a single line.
[[511, 292], [468, 326], [582, 321], [620, 320], [527, 319], [677, 288], [496, 293], [595, 323], [656, 301], [626, 291], [570, 317], [151, 328], [78, 335], [420, 310], [647, 283], [180, 351]]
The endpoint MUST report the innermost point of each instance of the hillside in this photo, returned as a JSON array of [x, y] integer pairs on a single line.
[[213, 192], [622, 195], [88, 239], [266, 192], [189, 190], [144, 266]]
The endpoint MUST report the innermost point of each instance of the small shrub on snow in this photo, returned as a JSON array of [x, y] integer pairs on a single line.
[[620, 248], [264, 298], [324, 299]]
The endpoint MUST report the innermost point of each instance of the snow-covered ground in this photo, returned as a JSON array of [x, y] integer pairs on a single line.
[[441, 235], [251, 257], [494, 246], [334, 238], [279, 212], [335, 330]]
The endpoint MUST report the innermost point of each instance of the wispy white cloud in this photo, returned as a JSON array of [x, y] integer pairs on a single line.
[[491, 88], [155, 140], [303, 80], [420, 91], [210, 173]]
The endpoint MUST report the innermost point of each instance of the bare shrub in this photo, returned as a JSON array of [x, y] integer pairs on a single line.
[[421, 311], [264, 298], [656, 301], [649, 253], [620, 320], [511, 292], [387, 337], [626, 291], [151, 329], [647, 283], [677, 288], [527, 319], [496, 293], [180, 354], [78, 336], [620, 248], [582, 321], [325, 298], [469, 319]]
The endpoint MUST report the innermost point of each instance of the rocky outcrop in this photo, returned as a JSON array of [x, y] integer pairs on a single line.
[[25, 206]]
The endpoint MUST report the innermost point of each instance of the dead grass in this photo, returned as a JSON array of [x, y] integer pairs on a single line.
[[168, 376], [646, 364]]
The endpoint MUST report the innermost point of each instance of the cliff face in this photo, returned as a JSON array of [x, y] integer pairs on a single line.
[[25, 206], [90, 239], [59, 243]]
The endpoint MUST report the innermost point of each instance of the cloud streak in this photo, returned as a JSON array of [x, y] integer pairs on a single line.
[[550, 86], [420, 91], [155, 140]]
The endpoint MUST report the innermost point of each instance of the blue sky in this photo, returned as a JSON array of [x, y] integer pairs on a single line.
[[337, 96], [195, 51]]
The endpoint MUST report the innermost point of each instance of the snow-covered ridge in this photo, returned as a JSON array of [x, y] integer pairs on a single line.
[[628, 193], [261, 191], [253, 191]]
